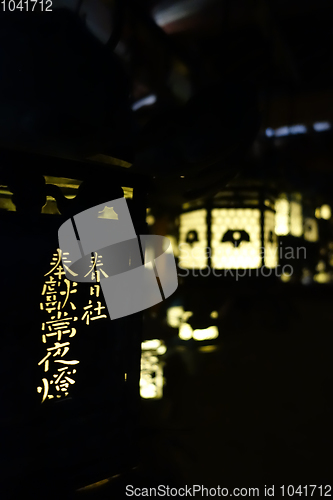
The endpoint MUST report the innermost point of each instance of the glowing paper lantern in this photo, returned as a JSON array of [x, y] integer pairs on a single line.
[[323, 212], [311, 231], [186, 332], [289, 215], [151, 381], [236, 231], [193, 239]]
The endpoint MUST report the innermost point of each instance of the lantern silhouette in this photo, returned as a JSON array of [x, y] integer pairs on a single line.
[[65, 145]]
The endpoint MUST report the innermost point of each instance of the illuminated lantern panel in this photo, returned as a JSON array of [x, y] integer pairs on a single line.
[[151, 380], [270, 240], [193, 239], [296, 218], [289, 216], [236, 238], [237, 233], [282, 217]]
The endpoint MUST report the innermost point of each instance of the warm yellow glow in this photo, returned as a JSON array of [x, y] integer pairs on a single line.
[[149, 345], [207, 334], [5, 200], [285, 277], [311, 230], [110, 160], [63, 182], [98, 483], [320, 266], [322, 277], [161, 350], [232, 223], [107, 213], [128, 192], [282, 216], [296, 218], [325, 212], [51, 206], [208, 348], [174, 246], [57, 308], [150, 219], [174, 316], [185, 331], [95, 274], [193, 255], [148, 390], [187, 315], [214, 314], [270, 240], [68, 187], [151, 379], [289, 216]]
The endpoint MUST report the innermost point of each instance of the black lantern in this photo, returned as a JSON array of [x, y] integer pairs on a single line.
[[70, 376]]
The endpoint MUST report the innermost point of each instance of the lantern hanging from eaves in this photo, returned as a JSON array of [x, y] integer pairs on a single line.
[[298, 231], [295, 218], [318, 235], [152, 380], [235, 230], [289, 215]]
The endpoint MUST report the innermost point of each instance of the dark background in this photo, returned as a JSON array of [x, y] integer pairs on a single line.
[[257, 409]]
